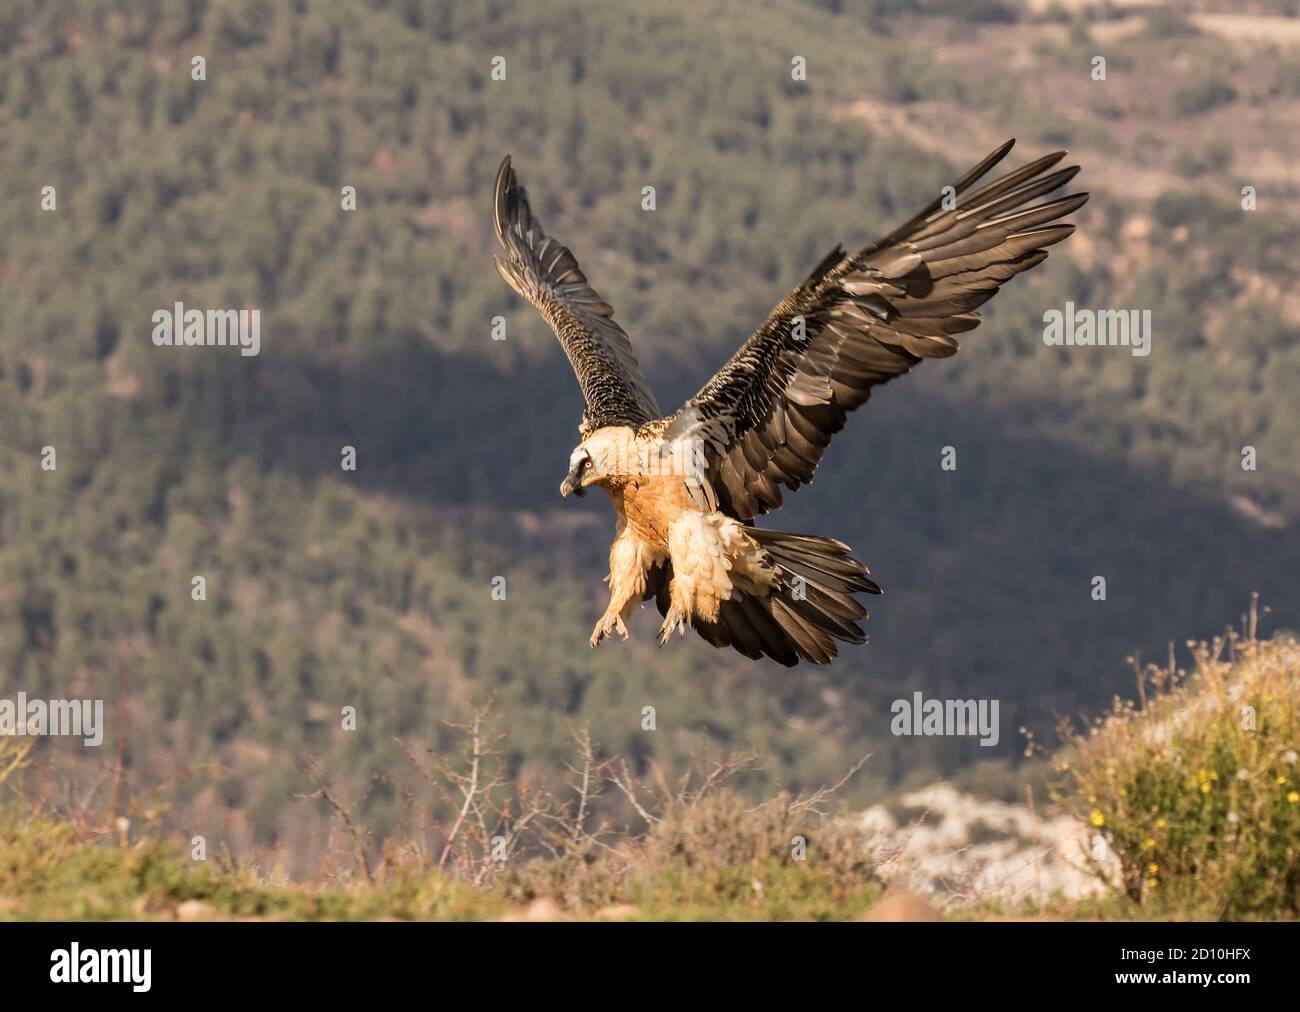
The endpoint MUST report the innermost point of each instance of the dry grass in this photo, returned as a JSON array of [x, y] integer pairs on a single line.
[[1193, 793], [693, 848]]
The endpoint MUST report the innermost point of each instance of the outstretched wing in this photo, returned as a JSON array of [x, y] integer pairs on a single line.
[[545, 273], [860, 320]]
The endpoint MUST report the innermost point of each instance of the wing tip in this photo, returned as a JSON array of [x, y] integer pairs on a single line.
[[501, 205]]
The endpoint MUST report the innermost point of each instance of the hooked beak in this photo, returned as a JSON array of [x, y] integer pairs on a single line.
[[572, 483]]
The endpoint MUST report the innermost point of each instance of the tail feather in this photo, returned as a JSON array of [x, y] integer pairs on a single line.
[[825, 559], [812, 642], [811, 608], [776, 641], [818, 577]]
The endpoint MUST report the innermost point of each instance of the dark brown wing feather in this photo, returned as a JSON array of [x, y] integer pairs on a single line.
[[767, 416], [547, 274]]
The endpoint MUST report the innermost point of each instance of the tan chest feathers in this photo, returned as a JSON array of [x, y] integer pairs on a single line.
[[652, 504]]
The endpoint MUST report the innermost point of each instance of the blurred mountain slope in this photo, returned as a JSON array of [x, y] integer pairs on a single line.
[[373, 588]]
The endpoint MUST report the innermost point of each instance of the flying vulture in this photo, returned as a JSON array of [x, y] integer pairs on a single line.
[[688, 486]]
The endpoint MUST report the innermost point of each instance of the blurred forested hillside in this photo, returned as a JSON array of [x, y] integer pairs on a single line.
[[328, 588]]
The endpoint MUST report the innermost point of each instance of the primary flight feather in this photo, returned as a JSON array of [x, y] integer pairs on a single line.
[[687, 487]]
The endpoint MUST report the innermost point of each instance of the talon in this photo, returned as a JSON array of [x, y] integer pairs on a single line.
[[675, 620], [607, 626]]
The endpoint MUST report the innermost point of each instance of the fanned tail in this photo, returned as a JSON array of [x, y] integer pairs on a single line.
[[811, 608]]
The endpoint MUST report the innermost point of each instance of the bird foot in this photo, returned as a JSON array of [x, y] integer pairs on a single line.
[[676, 619], [607, 626]]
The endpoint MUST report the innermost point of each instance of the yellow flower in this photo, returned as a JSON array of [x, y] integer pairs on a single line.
[[1148, 844], [1205, 787], [1293, 797], [1097, 819], [1281, 781], [1152, 883], [1161, 823], [1153, 868]]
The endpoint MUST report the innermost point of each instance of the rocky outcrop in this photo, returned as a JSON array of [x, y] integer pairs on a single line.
[[955, 849]]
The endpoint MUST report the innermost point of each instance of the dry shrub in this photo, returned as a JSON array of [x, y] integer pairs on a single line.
[[702, 843]]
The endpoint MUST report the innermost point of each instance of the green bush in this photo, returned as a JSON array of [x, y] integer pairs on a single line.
[[1197, 792]]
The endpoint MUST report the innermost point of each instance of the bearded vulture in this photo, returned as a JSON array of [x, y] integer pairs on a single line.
[[687, 487]]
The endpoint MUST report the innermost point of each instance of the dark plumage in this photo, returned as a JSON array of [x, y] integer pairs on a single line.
[[545, 273], [770, 412]]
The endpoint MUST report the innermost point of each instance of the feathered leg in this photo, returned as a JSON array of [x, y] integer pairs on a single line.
[[712, 558], [629, 562]]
